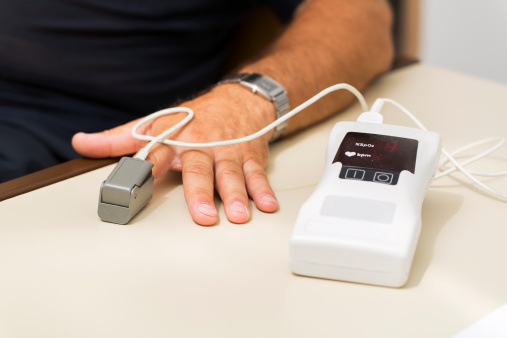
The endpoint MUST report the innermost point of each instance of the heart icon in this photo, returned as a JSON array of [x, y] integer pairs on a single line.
[[350, 153]]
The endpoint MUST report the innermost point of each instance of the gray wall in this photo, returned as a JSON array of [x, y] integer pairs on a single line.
[[465, 35]]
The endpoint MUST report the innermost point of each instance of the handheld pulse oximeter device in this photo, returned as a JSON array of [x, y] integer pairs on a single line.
[[362, 222]]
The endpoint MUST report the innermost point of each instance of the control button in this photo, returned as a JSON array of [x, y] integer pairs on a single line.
[[369, 175], [382, 177], [355, 174]]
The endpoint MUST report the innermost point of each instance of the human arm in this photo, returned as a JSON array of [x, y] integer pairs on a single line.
[[327, 42]]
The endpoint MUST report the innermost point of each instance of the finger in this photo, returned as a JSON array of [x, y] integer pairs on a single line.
[[197, 170], [230, 184], [108, 143], [258, 186], [163, 159]]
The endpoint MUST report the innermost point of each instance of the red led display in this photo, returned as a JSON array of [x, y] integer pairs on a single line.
[[374, 151]]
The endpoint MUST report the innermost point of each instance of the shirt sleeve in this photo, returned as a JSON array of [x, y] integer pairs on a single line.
[[284, 9]]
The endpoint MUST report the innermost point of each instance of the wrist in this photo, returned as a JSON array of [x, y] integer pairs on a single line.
[[256, 108], [270, 90]]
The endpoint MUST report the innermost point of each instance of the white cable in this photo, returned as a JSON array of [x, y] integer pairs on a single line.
[[450, 158], [372, 115], [143, 153], [447, 171], [161, 138]]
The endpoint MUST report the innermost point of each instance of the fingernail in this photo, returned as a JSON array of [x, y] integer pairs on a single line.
[[238, 207], [207, 209], [269, 199]]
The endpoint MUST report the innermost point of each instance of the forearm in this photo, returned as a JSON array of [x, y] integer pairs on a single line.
[[328, 42]]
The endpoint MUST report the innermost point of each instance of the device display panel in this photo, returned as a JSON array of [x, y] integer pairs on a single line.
[[376, 158]]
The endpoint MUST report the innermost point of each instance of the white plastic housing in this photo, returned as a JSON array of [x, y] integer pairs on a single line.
[[374, 239]]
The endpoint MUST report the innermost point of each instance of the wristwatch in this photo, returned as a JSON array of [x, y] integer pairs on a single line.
[[268, 88]]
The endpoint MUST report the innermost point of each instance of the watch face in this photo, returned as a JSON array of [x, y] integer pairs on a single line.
[[377, 158], [267, 85]]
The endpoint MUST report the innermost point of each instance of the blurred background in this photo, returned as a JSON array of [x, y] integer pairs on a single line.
[[464, 35]]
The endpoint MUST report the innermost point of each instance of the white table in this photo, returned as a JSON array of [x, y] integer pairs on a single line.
[[64, 273]]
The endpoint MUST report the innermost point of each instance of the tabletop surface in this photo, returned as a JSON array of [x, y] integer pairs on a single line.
[[64, 273]]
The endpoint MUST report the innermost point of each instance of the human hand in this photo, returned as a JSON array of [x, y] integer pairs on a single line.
[[228, 111]]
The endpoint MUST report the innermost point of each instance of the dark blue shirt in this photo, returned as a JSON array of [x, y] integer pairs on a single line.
[[88, 65]]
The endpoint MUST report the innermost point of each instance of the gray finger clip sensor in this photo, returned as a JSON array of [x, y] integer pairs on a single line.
[[126, 190]]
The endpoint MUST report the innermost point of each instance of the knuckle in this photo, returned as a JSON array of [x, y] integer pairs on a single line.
[[228, 179], [253, 164], [256, 157], [257, 182], [201, 192], [257, 176], [108, 145], [229, 172], [199, 169], [161, 163]]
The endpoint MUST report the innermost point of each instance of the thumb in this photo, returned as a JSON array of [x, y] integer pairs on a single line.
[[109, 143]]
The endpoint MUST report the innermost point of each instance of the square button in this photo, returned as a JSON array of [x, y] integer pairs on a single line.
[[355, 174], [382, 177]]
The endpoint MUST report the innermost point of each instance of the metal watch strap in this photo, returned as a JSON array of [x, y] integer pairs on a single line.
[[270, 89]]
